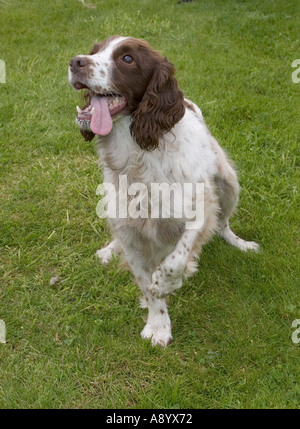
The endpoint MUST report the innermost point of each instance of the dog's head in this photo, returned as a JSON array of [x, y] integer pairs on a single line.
[[125, 76]]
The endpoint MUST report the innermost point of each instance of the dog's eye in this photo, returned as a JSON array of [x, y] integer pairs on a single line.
[[128, 59]]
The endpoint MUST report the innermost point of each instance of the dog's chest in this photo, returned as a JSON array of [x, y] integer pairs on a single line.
[[120, 155]]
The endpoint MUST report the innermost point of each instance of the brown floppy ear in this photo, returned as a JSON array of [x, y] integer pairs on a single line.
[[161, 107]]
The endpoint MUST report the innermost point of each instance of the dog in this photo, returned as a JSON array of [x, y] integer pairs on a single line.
[[148, 132]]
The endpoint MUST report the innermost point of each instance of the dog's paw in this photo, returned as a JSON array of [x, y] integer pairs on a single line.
[[160, 334], [108, 252], [105, 255], [251, 245], [238, 242], [247, 245]]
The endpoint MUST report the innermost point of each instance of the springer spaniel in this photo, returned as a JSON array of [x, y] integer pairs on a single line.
[[148, 132]]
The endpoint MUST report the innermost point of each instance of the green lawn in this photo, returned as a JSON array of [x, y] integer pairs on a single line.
[[76, 343]]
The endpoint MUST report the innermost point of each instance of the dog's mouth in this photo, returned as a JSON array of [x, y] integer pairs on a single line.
[[98, 116]]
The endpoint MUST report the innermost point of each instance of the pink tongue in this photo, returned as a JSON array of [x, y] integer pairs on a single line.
[[101, 122]]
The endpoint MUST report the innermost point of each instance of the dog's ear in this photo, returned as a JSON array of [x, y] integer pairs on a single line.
[[161, 107]]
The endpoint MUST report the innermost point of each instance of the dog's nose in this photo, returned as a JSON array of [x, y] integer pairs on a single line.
[[78, 63]]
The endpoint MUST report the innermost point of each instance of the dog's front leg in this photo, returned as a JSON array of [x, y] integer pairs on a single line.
[[158, 326], [168, 276]]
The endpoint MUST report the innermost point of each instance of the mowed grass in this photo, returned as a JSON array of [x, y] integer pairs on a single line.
[[76, 343]]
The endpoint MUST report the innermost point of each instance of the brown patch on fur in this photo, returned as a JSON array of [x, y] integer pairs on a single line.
[[189, 106], [151, 90]]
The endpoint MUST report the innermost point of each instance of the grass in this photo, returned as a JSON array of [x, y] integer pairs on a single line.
[[76, 343]]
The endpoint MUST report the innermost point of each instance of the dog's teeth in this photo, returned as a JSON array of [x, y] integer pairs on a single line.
[[92, 110], [78, 109]]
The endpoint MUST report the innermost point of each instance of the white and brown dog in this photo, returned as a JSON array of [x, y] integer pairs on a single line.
[[147, 131]]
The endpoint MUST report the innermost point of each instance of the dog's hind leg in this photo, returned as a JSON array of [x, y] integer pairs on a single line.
[[106, 253], [228, 193], [236, 241]]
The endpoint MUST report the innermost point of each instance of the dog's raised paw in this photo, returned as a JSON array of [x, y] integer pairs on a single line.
[[164, 282]]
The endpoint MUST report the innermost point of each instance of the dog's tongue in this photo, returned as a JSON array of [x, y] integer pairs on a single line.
[[101, 122]]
